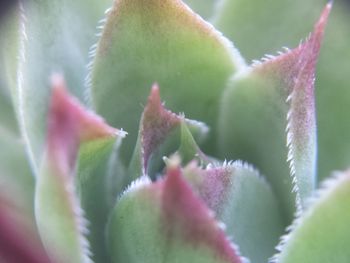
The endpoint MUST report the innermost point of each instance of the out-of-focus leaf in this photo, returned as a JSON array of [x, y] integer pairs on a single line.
[[322, 233], [244, 202], [94, 182], [9, 44], [53, 38], [58, 214], [8, 120], [15, 176], [18, 241], [9, 32], [332, 94], [166, 222], [264, 102], [161, 134], [260, 27], [205, 8], [159, 41]]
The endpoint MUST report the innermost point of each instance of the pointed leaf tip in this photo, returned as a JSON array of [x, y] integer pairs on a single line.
[[165, 221], [185, 214], [70, 124], [60, 218], [175, 47], [67, 111], [156, 124], [301, 117], [279, 92], [160, 134]]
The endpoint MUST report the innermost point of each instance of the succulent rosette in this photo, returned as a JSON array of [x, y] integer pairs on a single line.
[[213, 159]]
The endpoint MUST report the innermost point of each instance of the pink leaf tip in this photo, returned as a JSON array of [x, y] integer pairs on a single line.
[[156, 124], [70, 124], [187, 215]]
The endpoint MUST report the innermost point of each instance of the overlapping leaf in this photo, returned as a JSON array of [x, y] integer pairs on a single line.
[[159, 41], [97, 188], [53, 38], [166, 222], [244, 202], [322, 233], [263, 27], [264, 102], [161, 134], [59, 217]]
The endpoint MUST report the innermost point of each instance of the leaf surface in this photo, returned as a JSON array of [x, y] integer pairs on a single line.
[[9, 33], [53, 39], [159, 41], [166, 222], [161, 133], [59, 217], [256, 32], [321, 234], [268, 104], [96, 188], [244, 202]]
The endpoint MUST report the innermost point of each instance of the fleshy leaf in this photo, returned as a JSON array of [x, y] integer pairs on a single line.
[[189, 150], [161, 133], [58, 214], [322, 233], [15, 232], [244, 202], [262, 103], [256, 32], [96, 188], [53, 38], [159, 41], [166, 222]]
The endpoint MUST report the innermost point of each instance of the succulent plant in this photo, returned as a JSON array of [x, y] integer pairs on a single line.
[[233, 177]]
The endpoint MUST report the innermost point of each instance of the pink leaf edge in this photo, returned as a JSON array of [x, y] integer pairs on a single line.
[[70, 124], [156, 124], [186, 215]]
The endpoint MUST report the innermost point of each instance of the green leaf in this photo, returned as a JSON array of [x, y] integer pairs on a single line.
[[332, 94], [161, 133], [255, 32], [53, 38], [205, 8], [9, 33], [321, 234], [244, 202], [59, 217], [265, 101], [166, 222], [262, 27], [159, 41], [8, 121], [16, 179], [98, 188]]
